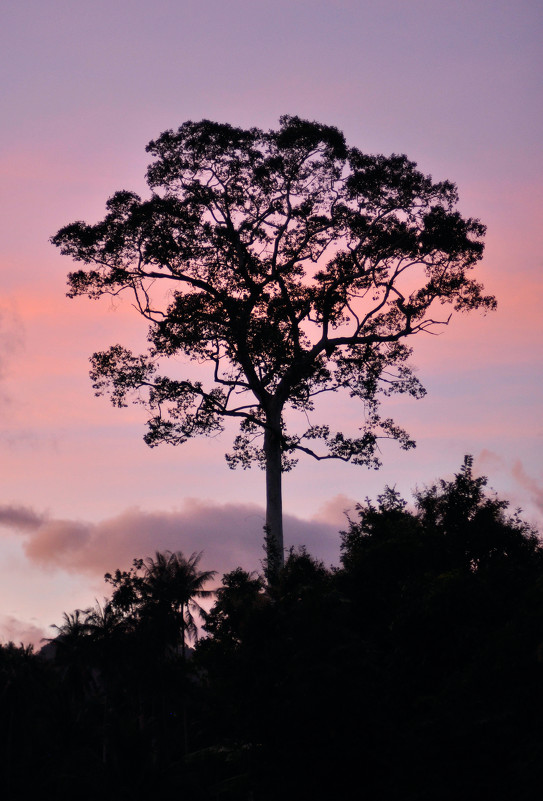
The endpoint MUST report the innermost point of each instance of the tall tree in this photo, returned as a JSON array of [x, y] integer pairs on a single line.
[[292, 265]]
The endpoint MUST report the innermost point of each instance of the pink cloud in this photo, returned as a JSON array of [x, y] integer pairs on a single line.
[[66, 540], [529, 484], [335, 510], [487, 460], [229, 534], [21, 632]]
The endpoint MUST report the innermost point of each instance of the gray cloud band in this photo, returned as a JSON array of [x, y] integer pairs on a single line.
[[229, 534]]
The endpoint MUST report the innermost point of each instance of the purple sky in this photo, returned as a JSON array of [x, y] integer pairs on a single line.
[[454, 85]]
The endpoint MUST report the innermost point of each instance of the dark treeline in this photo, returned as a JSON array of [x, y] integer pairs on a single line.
[[414, 671]]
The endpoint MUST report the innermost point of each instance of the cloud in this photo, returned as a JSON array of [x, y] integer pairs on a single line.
[[334, 512], [64, 540], [519, 484], [229, 534], [487, 460], [19, 631], [523, 479], [21, 518]]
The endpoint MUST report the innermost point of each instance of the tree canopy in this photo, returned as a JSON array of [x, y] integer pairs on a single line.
[[291, 264], [414, 671]]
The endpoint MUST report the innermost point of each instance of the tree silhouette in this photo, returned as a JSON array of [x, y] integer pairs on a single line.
[[235, 602], [106, 629], [172, 585], [422, 653], [292, 265], [450, 596], [72, 645]]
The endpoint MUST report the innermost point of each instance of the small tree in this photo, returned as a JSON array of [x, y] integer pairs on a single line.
[[161, 594], [290, 263], [173, 582]]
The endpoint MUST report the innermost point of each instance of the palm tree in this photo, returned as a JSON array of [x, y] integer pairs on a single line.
[[106, 627], [71, 629], [173, 583], [102, 620], [71, 653]]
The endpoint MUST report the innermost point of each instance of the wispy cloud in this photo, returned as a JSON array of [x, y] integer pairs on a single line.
[[522, 486], [530, 484], [487, 460]]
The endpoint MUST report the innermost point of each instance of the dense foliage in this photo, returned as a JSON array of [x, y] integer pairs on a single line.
[[414, 670]]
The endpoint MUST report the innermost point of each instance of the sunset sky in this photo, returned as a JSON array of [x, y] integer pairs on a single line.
[[454, 84]]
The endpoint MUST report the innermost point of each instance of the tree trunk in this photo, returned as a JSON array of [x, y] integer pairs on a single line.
[[274, 500]]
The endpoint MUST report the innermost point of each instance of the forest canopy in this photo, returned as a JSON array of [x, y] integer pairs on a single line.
[[413, 669]]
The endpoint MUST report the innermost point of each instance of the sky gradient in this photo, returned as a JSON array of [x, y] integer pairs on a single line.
[[456, 85]]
